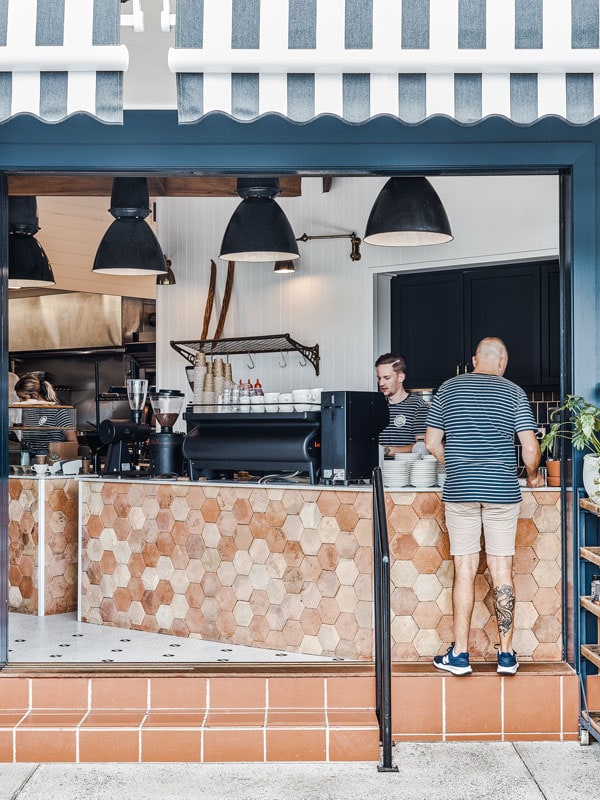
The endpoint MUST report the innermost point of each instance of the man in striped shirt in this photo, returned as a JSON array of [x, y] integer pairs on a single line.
[[408, 414], [471, 427]]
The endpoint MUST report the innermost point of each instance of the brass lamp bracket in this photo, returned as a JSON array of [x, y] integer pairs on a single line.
[[355, 253]]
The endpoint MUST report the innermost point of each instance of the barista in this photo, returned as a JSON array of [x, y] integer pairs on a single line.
[[42, 425], [408, 414]]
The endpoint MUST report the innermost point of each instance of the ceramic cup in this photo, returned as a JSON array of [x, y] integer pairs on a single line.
[[41, 469], [302, 400], [286, 402], [245, 405], [271, 402]]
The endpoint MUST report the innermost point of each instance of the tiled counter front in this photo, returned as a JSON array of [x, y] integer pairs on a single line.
[[42, 545], [292, 568]]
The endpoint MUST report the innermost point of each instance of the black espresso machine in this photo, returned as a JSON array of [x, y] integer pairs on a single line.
[[337, 442], [265, 443], [350, 426]]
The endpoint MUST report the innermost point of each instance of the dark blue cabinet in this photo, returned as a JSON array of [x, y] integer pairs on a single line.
[[437, 319]]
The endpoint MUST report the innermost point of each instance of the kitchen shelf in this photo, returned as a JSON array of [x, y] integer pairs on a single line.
[[250, 345], [587, 647]]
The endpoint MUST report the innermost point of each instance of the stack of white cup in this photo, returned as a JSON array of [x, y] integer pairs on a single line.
[[271, 402], [302, 399]]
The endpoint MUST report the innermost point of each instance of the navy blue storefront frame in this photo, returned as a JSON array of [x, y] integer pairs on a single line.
[[152, 142]]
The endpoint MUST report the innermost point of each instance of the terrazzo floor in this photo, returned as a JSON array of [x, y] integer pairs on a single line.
[[60, 638]]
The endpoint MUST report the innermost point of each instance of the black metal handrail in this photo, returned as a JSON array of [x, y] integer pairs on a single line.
[[383, 638]]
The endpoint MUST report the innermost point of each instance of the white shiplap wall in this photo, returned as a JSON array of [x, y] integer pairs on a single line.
[[331, 299]]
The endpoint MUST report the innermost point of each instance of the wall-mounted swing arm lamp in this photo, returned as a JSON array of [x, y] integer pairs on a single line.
[[28, 265], [129, 246], [355, 253]]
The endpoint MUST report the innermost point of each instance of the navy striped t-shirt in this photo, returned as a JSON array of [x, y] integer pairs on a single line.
[[480, 415], [407, 419]]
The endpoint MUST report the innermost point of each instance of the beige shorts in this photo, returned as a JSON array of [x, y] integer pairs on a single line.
[[499, 521]]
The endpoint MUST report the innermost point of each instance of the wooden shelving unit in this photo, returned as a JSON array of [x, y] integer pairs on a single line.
[[587, 621]]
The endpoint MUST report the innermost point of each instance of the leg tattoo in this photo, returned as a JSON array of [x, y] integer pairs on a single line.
[[504, 604]]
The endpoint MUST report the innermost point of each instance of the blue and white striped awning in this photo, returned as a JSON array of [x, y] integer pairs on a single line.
[[411, 59], [60, 57]]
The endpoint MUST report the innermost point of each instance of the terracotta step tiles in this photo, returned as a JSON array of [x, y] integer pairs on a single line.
[[271, 715]]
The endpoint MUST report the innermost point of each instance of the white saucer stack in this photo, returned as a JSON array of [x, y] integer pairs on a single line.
[[395, 473], [423, 473]]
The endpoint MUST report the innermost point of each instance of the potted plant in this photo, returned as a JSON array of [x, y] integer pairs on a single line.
[[579, 423]]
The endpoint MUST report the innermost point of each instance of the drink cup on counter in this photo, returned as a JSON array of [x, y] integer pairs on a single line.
[[286, 402], [257, 403], [271, 402], [302, 400], [315, 395]]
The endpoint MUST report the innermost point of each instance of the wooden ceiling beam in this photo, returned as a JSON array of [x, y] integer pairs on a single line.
[[158, 186]]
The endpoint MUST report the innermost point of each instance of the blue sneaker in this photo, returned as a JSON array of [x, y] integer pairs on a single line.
[[456, 663], [507, 663]]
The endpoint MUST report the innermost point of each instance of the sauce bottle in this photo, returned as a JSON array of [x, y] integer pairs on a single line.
[[258, 390]]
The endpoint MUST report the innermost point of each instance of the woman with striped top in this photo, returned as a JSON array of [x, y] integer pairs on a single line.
[[41, 424]]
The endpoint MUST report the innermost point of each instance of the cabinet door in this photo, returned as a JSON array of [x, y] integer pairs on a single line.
[[550, 324], [427, 325], [505, 302]]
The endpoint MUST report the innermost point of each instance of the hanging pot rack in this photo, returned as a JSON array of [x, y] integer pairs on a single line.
[[253, 345]]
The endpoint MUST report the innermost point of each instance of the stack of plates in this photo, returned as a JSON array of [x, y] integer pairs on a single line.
[[395, 473], [424, 472], [408, 457]]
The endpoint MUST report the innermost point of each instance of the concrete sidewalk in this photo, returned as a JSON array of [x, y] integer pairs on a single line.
[[471, 771]]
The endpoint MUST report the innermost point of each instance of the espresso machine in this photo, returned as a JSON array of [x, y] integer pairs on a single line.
[[125, 437], [164, 447]]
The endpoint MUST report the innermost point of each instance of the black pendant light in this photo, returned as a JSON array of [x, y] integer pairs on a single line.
[[129, 246], [407, 213], [258, 229], [28, 265], [284, 267]]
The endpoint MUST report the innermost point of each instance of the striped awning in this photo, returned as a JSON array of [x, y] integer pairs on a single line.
[[60, 57], [411, 59]]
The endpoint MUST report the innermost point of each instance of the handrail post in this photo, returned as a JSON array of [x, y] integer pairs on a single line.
[[383, 639]]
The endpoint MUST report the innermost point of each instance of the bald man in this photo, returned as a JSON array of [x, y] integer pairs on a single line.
[[471, 428]]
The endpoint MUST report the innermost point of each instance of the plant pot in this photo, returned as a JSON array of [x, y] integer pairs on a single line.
[[591, 477], [553, 471]]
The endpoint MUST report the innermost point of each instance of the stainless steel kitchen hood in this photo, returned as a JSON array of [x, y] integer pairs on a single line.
[[78, 321]]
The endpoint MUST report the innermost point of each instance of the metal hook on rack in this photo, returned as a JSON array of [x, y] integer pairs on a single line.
[[303, 361], [251, 365], [282, 359]]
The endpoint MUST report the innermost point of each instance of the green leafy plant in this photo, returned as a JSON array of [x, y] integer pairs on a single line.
[[579, 422]]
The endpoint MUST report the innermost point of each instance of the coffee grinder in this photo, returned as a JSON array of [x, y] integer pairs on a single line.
[[123, 436], [164, 448]]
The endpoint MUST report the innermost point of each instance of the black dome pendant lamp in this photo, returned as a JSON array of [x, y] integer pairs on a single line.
[[408, 213], [28, 265], [129, 246], [258, 229]]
